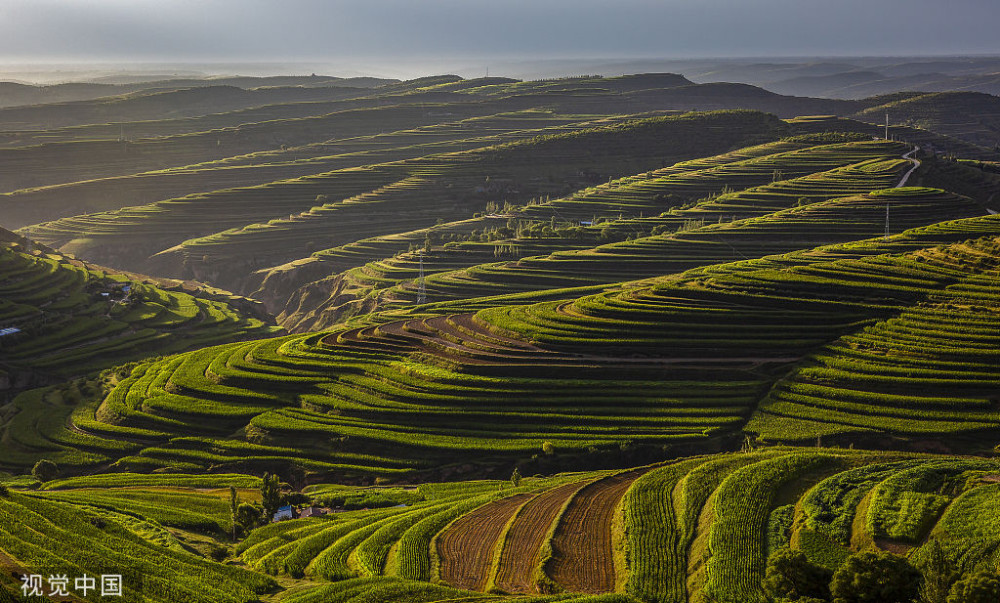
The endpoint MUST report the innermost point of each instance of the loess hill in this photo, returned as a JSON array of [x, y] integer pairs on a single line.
[[579, 278], [65, 317], [695, 529], [792, 347]]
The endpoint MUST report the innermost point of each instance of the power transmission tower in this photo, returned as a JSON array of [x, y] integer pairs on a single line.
[[421, 289]]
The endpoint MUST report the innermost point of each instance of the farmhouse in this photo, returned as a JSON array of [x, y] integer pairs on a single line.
[[312, 512]]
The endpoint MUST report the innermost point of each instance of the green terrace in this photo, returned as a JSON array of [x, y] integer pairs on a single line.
[[970, 116], [525, 234], [931, 369], [460, 236], [841, 219], [38, 204], [694, 528], [61, 162], [146, 230], [81, 536], [74, 319], [670, 362]]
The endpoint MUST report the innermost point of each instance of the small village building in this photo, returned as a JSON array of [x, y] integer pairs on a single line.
[[312, 512]]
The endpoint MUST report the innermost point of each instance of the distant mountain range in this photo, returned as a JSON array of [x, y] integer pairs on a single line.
[[844, 78]]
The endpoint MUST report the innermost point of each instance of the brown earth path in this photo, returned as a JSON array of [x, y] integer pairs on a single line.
[[583, 560], [466, 546], [519, 557]]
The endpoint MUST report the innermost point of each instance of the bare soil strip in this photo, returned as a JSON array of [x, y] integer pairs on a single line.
[[466, 547], [583, 559], [519, 558]]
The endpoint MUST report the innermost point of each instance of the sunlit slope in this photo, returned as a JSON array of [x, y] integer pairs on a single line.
[[872, 122], [29, 206], [71, 103], [689, 530], [841, 219], [42, 535], [462, 236], [696, 529], [530, 168], [686, 236], [62, 162], [73, 318], [929, 370], [788, 215], [970, 116], [678, 361], [693, 193], [103, 152], [62, 159]]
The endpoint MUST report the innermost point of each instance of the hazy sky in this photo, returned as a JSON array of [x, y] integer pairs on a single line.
[[338, 30]]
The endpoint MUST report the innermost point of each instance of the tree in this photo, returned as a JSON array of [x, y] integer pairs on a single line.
[[548, 448], [875, 577], [249, 516], [270, 494], [515, 478], [45, 470], [981, 586], [939, 574], [234, 503], [790, 575]]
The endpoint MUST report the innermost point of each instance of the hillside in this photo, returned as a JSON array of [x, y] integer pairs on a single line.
[[695, 529], [469, 180], [732, 337], [978, 122], [31, 206], [68, 318], [562, 340], [700, 226]]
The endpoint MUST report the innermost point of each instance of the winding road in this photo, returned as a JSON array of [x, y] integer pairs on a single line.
[[916, 164]]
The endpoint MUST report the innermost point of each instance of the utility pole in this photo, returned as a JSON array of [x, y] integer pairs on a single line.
[[887, 125], [421, 290]]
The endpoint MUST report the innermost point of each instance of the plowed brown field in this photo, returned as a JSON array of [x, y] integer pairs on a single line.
[[583, 559], [466, 547], [519, 557]]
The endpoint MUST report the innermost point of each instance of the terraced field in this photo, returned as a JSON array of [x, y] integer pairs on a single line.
[[521, 549], [543, 230], [732, 226], [466, 547], [72, 318], [978, 122], [146, 230], [45, 203], [583, 557], [485, 277], [39, 532], [693, 529], [677, 361]]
